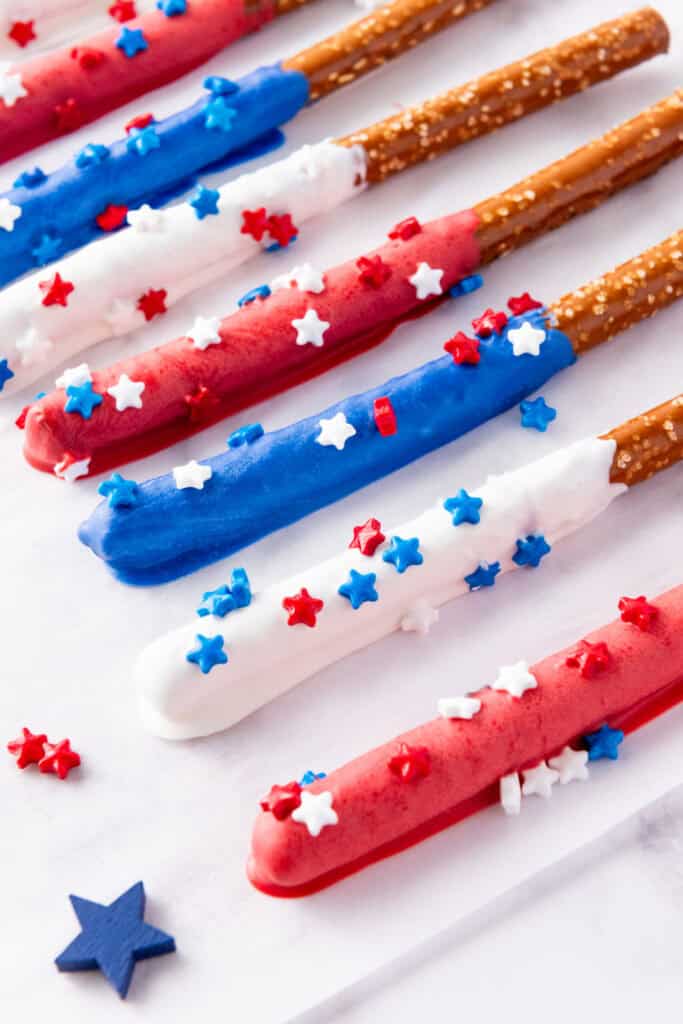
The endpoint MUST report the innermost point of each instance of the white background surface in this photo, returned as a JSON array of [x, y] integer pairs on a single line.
[[599, 931]]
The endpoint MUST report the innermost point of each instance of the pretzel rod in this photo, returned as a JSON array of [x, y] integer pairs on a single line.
[[252, 648], [574, 707], [119, 269]]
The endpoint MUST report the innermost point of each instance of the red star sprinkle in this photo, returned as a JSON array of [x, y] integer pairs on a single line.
[[410, 763], [385, 417], [591, 659], [87, 57], [302, 608], [463, 349], [59, 759], [373, 270], [523, 304], [68, 116], [111, 218], [368, 537], [282, 800], [20, 421], [28, 749], [282, 229], [638, 611], [152, 303], [123, 10], [56, 291], [201, 404], [489, 323], [21, 33], [139, 122], [405, 229], [255, 223]]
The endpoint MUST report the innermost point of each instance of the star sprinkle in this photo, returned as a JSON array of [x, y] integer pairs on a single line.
[[68, 116], [172, 8], [515, 679], [226, 599], [254, 223], [530, 550], [88, 57], [483, 576], [201, 404], [21, 32], [406, 229], [205, 202], [315, 812], [28, 748], [384, 416], [410, 763], [537, 414], [152, 303], [11, 89], [5, 374], [373, 270], [205, 332], [335, 432], [127, 393], [368, 537], [123, 316], [518, 305], [310, 329], [539, 781], [59, 759], [571, 765], [305, 277], [282, 800], [426, 280], [112, 217], [527, 339], [510, 793], [245, 435], [31, 179], [33, 347], [604, 743], [143, 140], [74, 377], [91, 155], [132, 41], [489, 323], [464, 350], [71, 469], [56, 291], [192, 475], [359, 588], [123, 10], [218, 115], [310, 777], [120, 492], [302, 609], [82, 400], [638, 612], [464, 508], [9, 214], [47, 250], [420, 619], [590, 659], [282, 230], [403, 553], [147, 220], [208, 654], [466, 285], [113, 938], [459, 707], [261, 291], [220, 86]]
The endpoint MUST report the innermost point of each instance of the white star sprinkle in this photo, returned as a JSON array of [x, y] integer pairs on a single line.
[[515, 679], [510, 793], [426, 280], [305, 277], [571, 764], [315, 812], [76, 377], [459, 707], [527, 339], [72, 471], [123, 316], [539, 781], [146, 220], [11, 88], [193, 474], [205, 332], [310, 329], [420, 618], [335, 431], [33, 347], [128, 393], [9, 213]]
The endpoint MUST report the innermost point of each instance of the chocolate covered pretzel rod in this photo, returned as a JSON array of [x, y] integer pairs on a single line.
[[252, 648], [518, 735], [210, 239]]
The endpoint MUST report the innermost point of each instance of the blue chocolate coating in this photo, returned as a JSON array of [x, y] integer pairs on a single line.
[[64, 206], [282, 477]]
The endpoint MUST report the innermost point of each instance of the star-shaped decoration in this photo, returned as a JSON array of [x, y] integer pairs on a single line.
[[74, 377], [218, 115], [68, 116], [590, 659], [310, 777], [11, 88], [82, 400], [152, 303], [539, 781], [526, 339], [33, 347], [143, 140], [373, 270], [302, 609], [120, 492], [139, 121], [218, 602], [537, 414], [132, 41], [571, 765], [465, 350], [47, 250], [123, 316], [254, 223], [515, 679], [5, 374], [305, 277], [406, 229], [245, 435], [172, 8], [638, 611], [201, 404], [420, 619], [490, 322], [310, 329], [459, 707], [530, 550], [520, 304], [147, 220], [483, 576], [282, 800], [426, 280], [368, 537], [87, 57], [127, 393], [282, 230], [31, 179], [56, 291], [403, 553], [410, 763], [71, 469], [59, 759], [28, 748], [113, 938], [335, 431], [204, 202], [315, 812], [359, 588], [21, 32], [123, 10], [208, 653], [384, 416], [91, 155], [205, 332], [112, 217], [261, 291], [604, 743], [220, 86], [510, 793], [466, 285], [464, 508], [9, 214], [192, 475]]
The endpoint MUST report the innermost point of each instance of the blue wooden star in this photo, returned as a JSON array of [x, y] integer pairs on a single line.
[[220, 86], [82, 399], [31, 179], [603, 743], [247, 434], [219, 115], [483, 576], [47, 250], [205, 201], [172, 7], [403, 553], [143, 140], [132, 41], [91, 155], [536, 414], [209, 653], [261, 291], [121, 493], [531, 549], [113, 938], [464, 507], [359, 588], [309, 777], [5, 373]]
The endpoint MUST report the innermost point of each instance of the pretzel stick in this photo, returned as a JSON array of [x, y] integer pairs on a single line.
[[647, 444]]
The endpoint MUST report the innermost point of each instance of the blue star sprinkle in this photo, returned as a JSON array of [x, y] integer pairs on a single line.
[[262, 291], [466, 286], [143, 140], [5, 373], [309, 777], [603, 743], [121, 493], [464, 507], [113, 938], [483, 576], [219, 116], [536, 414], [245, 435], [172, 7], [132, 41], [220, 86], [205, 201], [240, 588], [47, 250], [82, 399], [403, 553], [91, 156], [530, 550], [31, 179], [359, 588], [209, 653], [226, 598]]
